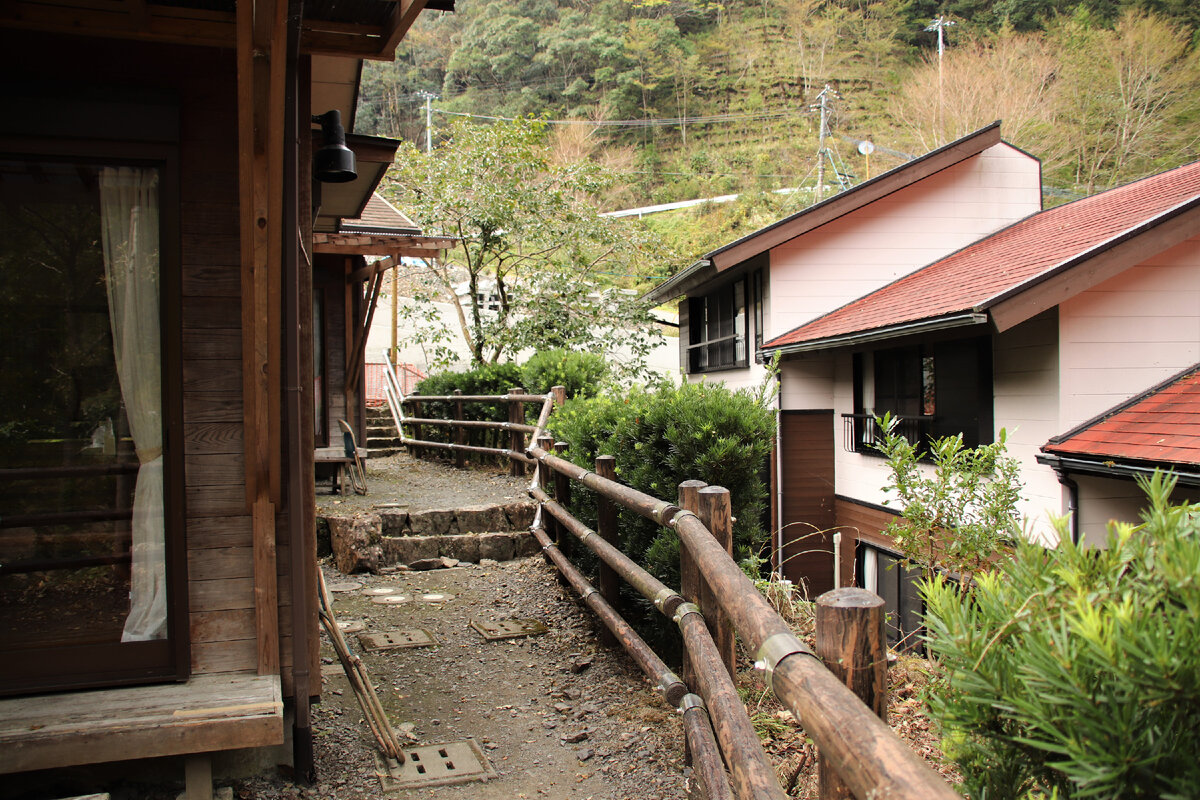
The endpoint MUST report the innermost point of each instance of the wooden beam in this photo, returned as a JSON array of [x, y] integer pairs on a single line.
[[276, 112], [362, 332], [266, 590], [402, 18], [116, 21], [366, 273]]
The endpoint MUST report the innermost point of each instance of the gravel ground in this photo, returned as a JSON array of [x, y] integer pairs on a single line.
[[424, 485], [556, 715]]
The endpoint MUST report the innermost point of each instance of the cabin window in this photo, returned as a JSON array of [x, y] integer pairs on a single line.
[[717, 329], [84, 488], [934, 390]]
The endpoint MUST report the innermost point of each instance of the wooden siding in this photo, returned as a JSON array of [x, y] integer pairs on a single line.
[[859, 521], [808, 513]]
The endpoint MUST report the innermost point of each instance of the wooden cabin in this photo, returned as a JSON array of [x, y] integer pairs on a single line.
[[157, 543]]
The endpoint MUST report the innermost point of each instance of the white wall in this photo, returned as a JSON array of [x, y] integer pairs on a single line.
[[1129, 333], [1103, 500], [852, 256], [1025, 404]]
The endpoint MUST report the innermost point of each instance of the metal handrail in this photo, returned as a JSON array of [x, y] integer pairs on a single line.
[[394, 394]]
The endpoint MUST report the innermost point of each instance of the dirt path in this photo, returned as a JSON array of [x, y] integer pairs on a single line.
[[555, 715]]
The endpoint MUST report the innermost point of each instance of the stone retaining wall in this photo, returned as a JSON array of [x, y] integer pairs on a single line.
[[366, 542]]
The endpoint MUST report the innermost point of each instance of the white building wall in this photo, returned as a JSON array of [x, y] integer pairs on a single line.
[[868, 248], [1025, 404], [1129, 333]]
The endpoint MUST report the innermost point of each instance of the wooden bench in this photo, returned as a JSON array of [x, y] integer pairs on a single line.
[[338, 457], [206, 714]]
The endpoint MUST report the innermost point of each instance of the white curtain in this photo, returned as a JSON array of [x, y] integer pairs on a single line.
[[129, 228]]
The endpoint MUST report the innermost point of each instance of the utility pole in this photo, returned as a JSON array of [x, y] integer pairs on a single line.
[[940, 24], [428, 97], [822, 154]]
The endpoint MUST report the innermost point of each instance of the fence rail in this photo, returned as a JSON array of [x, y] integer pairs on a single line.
[[859, 748]]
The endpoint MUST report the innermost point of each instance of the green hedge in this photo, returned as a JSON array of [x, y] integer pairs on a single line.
[[662, 437], [582, 373], [1076, 670], [488, 379]]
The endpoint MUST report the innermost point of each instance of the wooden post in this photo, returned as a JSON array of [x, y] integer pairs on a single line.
[[545, 479], [416, 429], [851, 643], [516, 439], [689, 574], [716, 516], [459, 431], [559, 393], [562, 494], [606, 526]]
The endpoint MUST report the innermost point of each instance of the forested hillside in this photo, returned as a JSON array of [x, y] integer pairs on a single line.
[[690, 98]]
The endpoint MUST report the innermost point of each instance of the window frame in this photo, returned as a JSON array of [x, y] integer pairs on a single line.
[[698, 328], [129, 663]]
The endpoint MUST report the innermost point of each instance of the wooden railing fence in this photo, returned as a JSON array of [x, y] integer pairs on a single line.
[[860, 755]]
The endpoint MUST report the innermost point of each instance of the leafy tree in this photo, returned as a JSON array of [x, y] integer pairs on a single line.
[[529, 233], [1072, 671], [1127, 94], [958, 513]]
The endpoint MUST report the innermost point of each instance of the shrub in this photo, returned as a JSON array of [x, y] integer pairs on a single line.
[[580, 372], [1074, 670], [481, 380], [664, 436]]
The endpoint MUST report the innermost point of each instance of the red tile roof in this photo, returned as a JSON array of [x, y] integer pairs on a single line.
[[1010, 260], [1161, 425], [380, 215]]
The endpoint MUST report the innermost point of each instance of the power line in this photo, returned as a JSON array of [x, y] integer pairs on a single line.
[[642, 123]]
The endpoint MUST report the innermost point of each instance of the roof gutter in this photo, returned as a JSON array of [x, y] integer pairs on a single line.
[[1064, 464], [678, 284], [965, 320]]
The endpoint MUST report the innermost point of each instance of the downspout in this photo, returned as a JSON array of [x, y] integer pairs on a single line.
[[779, 473], [1072, 501], [302, 740]]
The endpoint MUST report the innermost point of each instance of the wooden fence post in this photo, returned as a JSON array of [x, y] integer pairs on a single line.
[[516, 439], [606, 526], [562, 495], [559, 393], [689, 573], [416, 429], [545, 480], [459, 430], [716, 516], [851, 643]]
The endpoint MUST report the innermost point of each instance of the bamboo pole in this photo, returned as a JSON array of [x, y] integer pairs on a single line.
[[471, 423]]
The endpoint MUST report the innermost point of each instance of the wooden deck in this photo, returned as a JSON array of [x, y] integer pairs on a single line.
[[208, 713]]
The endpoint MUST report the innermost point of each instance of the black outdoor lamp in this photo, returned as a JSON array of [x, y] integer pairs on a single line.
[[334, 162]]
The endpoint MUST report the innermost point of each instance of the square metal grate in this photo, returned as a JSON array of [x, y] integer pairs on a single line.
[[508, 628], [435, 765], [390, 640]]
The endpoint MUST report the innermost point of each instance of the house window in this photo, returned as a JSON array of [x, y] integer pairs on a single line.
[[882, 572], [87, 486], [933, 390], [717, 329]]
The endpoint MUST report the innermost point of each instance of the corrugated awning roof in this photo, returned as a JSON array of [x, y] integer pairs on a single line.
[[1161, 425], [996, 269]]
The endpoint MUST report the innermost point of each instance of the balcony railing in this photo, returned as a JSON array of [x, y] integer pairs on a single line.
[[862, 434]]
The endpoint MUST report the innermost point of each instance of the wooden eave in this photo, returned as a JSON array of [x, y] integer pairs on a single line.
[[364, 244], [146, 21]]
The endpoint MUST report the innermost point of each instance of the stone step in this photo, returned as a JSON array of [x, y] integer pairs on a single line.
[[383, 441], [395, 536], [384, 452]]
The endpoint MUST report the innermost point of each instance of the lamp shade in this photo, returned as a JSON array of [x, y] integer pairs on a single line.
[[334, 162]]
